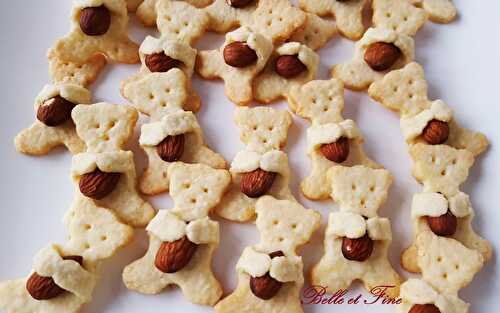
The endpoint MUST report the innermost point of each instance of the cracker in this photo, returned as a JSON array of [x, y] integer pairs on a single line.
[[155, 178], [348, 15], [269, 86], [40, 139], [79, 48], [446, 264], [195, 189], [146, 12], [435, 204], [440, 11], [132, 5], [357, 74], [237, 81], [74, 73], [441, 167], [405, 91], [284, 225], [335, 272], [224, 17], [400, 16], [315, 33]]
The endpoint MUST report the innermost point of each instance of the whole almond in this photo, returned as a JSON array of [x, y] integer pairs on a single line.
[[171, 148], [55, 111], [424, 308], [436, 132], [160, 62], [44, 288], [266, 287], [338, 151], [174, 256], [289, 66], [444, 225], [239, 3], [381, 56], [95, 21], [97, 184], [239, 54], [359, 249], [256, 183]]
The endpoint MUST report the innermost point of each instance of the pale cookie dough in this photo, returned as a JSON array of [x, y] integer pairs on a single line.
[[103, 126], [94, 233], [440, 11], [335, 272], [155, 178], [39, 139], [74, 73], [359, 189], [398, 15], [195, 189], [348, 14], [435, 204], [78, 47], [269, 86], [284, 225], [124, 200], [236, 206], [146, 12], [263, 129], [441, 167], [155, 93], [446, 264], [405, 91], [357, 74], [415, 291], [224, 18], [237, 81], [315, 33], [78, 282]]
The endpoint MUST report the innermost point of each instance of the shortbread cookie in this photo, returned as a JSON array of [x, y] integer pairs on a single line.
[[225, 16], [417, 293], [176, 137], [359, 189], [446, 264], [94, 233], [292, 64], [441, 168], [348, 14], [132, 5], [405, 91], [315, 33], [263, 129], [399, 15], [146, 12], [356, 248], [440, 11], [254, 175], [182, 240], [98, 27], [243, 55], [156, 94], [445, 216], [54, 126], [58, 284], [270, 273], [377, 53], [74, 73]]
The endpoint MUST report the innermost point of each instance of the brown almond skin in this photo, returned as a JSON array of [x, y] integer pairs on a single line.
[[424, 308], [174, 256], [266, 287], [359, 249], [95, 21], [444, 225], [44, 288], [436, 132], [381, 56], [289, 66], [239, 54], [55, 111], [160, 62], [97, 185], [171, 148], [239, 3], [338, 151], [256, 183]]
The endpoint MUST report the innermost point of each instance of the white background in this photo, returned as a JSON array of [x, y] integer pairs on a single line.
[[462, 61]]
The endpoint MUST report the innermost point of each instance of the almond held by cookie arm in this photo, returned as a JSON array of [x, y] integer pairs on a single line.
[[97, 184], [424, 308], [256, 183], [266, 287], [160, 62], [359, 249], [239, 54], [444, 225], [95, 21], [436, 132], [338, 151], [171, 148], [174, 256], [381, 56], [289, 66], [239, 3], [55, 111]]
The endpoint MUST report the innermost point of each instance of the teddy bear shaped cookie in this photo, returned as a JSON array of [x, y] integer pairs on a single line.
[[270, 273], [182, 240], [147, 13], [315, 33]]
